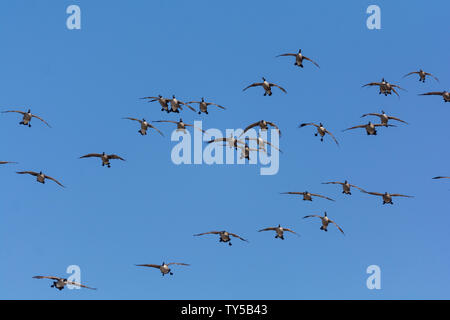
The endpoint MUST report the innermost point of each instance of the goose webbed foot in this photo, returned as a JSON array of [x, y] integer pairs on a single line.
[[229, 243], [199, 112], [171, 273]]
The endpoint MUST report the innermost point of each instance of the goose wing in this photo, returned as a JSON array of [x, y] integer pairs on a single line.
[[332, 136], [353, 186], [191, 125], [153, 127], [333, 182], [53, 179], [35, 116], [115, 157], [270, 144], [90, 155], [185, 104], [315, 63], [337, 226], [441, 177], [434, 93], [321, 196], [28, 172], [6, 162], [384, 125], [371, 114], [47, 277], [397, 119], [408, 74], [256, 84], [133, 119], [21, 112], [211, 232], [251, 126], [373, 193], [372, 84], [313, 216], [268, 229], [214, 104], [291, 231], [149, 265], [401, 195], [429, 74], [178, 264], [308, 124], [236, 236], [286, 55], [297, 193], [170, 121], [355, 127], [80, 285], [279, 87], [275, 126]]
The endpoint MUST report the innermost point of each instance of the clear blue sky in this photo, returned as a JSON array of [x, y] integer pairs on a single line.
[[145, 210]]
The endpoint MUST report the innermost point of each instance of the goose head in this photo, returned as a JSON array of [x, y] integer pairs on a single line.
[[29, 111], [299, 50], [325, 213], [345, 181], [160, 96], [181, 120], [320, 124], [203, 99], [264, 79]]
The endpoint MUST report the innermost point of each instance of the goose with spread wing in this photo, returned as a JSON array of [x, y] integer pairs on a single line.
[[224, 236], [164, 267], [383, 117], [386, 88], [444, 94], [26, 117], [299, 57], [422, 75], [267, 86], [320, 131], [370, 127], [203, 105], [325, 222], [164, 102], [279, 231], [176, 105], [40, 177], [387, 197], [60, 283], [307, 196], [346, 186], [263, 124], [104, 157], [144, 126], [181, 126]]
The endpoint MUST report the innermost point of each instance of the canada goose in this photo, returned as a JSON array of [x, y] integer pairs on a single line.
[[383, 117], [346, 187], [176, 104], [385, 87], [60, 283], [440, 177], [307, 196], [164, 102], [262, 143], [298, 58], [105, 158], [144, 126], [422, 74], [224, 236], [267, 86], [204, 105], [40, 177], [181, 126], [280, 231], [325, 222], [387, 197], [320, 131], [444, 94], [27, 116], [370, 127], [245, 151], [232, 141], [7, 162], [264, 125], [164, 267]]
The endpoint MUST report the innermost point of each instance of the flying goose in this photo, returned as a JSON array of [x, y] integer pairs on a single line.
[[422, 74], [346, 187], [175, 105], [6, 162], [267, 86], [232, 141], [307, 196], [325, 222], [203, 105], [27, 116], [279, 231], [387, 197], [383, 117], [298, 58], [264, 125], [245, 151], [440, 177], [181, 126], [40, 177], [60, 283], [370, 127], [164, 102], [164, 267], [320, 131], [385, 87], [144, 126], [444, 94], [224, 236], [105, 158]]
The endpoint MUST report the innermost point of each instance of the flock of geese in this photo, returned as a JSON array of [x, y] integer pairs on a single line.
[[174, 105]]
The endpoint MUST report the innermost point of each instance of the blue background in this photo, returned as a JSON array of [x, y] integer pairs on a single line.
[[146, 210]]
